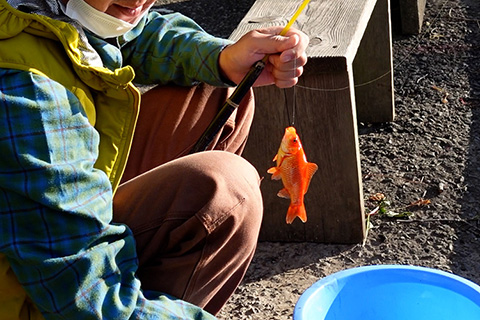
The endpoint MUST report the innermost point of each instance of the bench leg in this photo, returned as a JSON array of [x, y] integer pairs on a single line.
[[411, 14], [373, 68], [326, 123]]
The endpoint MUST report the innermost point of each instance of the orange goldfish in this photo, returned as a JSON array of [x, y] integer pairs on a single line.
[[295, 172]]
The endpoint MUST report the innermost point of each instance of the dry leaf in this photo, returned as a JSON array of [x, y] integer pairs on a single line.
[[420, 203], [377, 197], [444, 93]]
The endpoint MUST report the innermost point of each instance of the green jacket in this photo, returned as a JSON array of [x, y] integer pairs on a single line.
[[48, 48]]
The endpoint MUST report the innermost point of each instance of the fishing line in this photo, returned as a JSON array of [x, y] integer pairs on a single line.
[[397, 65], [285, 96], [294, 104], [294, 97], [294, 107]]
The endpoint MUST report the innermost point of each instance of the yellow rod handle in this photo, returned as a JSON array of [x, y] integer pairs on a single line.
[[294, 17], [290, 23]]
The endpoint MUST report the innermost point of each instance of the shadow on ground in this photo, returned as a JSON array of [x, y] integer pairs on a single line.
[[218, 18], [465, 261], [275, 258]]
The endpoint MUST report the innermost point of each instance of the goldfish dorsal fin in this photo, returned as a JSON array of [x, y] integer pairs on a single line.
[[310, 171], [284, 193]]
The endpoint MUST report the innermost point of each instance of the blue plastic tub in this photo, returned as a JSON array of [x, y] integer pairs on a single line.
[[390, 292]]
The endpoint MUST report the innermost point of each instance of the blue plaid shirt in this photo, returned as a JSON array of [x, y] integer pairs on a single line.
[[56, 209]]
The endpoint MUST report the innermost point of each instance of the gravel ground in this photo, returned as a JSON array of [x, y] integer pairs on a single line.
[[425, 163]]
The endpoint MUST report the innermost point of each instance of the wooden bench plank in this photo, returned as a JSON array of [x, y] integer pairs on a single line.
[[335, 27], [326, 113]]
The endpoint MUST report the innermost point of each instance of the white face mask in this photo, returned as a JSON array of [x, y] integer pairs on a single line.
[[100, 23]]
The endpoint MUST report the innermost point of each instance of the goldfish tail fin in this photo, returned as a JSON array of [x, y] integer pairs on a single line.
[[296, 211]]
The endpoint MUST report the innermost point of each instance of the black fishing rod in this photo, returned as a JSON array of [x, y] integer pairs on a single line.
[[228, 107], [234, 100]]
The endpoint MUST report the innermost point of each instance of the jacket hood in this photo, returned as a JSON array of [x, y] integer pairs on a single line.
[[53, 9]]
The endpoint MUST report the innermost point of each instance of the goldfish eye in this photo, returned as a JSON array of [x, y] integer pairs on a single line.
[[295, 140]]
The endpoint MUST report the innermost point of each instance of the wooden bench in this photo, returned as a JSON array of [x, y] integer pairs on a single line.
[[348, 78]]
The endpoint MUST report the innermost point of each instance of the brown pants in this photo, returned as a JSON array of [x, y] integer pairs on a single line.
[[195, 218]]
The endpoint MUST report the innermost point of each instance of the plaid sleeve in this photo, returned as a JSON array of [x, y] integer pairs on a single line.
[[56, 210], [173, 48]]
